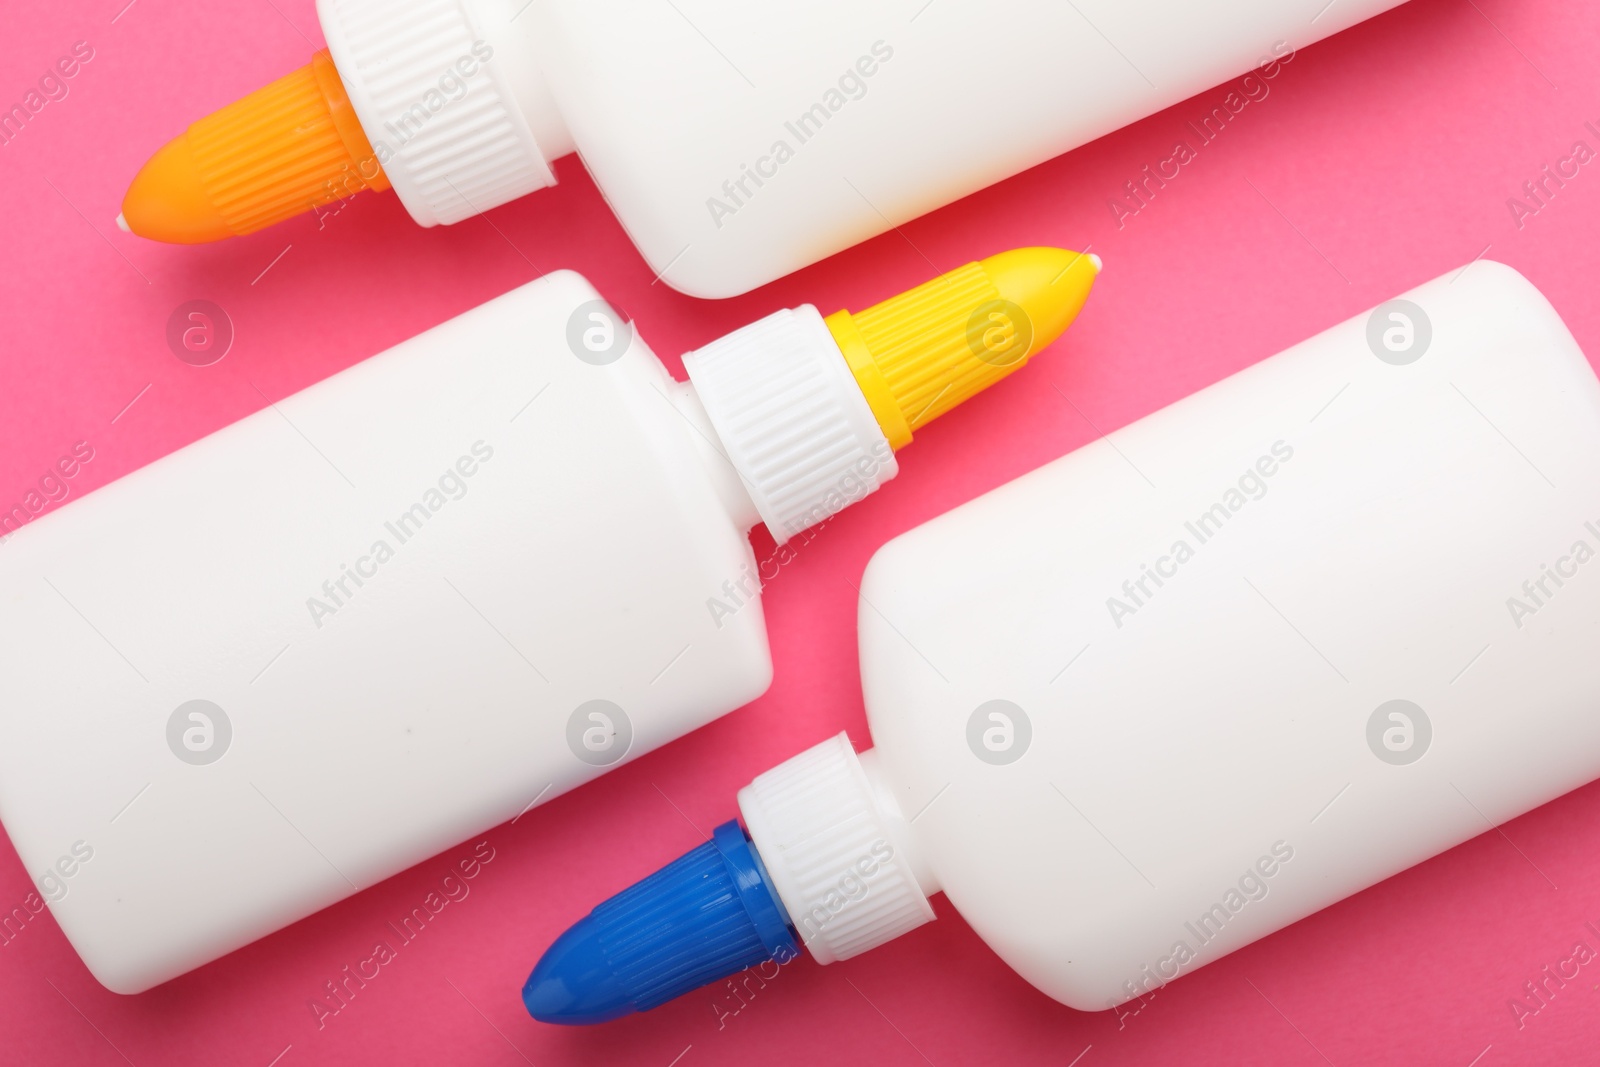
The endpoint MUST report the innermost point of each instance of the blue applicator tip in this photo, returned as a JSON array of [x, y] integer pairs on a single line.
[[708, 914]]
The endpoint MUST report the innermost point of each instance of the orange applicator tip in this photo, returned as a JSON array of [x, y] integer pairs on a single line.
[[283, 150]]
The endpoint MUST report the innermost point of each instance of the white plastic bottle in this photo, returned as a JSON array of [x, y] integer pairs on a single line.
[[735, 143], [1243, 658], [420, 597]]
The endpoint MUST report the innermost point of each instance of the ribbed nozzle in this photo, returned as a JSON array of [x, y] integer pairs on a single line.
[[709, 914], [919, 354], [283, 150]]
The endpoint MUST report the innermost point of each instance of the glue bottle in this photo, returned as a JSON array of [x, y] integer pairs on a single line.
[[456, 580], [735, 143]]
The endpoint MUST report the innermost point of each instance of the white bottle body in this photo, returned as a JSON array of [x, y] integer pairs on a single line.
[[920, 105], [1205, 770], [573, 523]]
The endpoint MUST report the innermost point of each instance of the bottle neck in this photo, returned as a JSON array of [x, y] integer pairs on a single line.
[[451, 98], [720, 470], [898, 826], [510, 27], [791, 420], [838, 850]]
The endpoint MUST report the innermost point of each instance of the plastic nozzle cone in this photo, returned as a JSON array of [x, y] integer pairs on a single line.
[[919, 354], [281, 151], [710, 913]]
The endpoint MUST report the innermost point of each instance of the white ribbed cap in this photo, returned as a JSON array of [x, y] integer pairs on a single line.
[[452, 143], [835, 850], [791, 419]]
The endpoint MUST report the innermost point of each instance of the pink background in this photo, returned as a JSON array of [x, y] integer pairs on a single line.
[[1381, 159]]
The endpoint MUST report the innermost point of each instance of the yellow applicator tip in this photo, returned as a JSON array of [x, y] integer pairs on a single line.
[[279, 152], [917, 355]]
